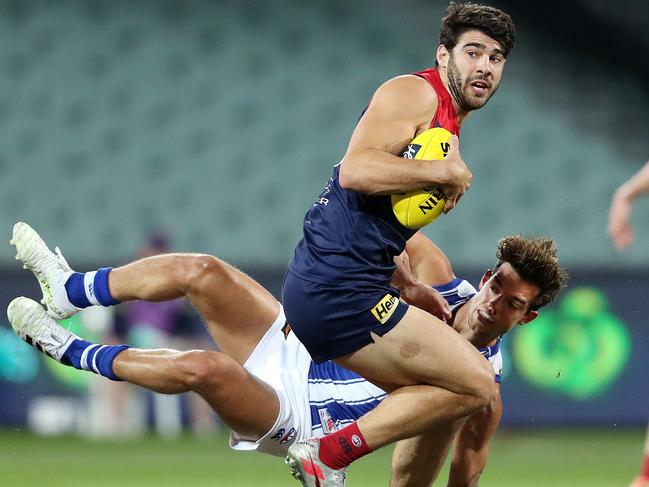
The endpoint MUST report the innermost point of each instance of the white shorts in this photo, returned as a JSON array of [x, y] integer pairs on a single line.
[[283, 363]]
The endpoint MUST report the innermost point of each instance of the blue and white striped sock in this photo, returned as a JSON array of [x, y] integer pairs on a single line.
[[90, 288], [95, 357]]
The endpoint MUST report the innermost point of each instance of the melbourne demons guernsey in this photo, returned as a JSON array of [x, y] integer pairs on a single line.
[[350, 238], [338, 396]]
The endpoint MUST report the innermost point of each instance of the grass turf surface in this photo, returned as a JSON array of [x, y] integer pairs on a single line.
[[522, 458]]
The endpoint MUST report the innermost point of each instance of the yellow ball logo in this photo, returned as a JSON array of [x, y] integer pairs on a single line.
[[417, 209]]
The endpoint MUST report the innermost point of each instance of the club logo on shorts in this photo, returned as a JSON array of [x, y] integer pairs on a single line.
[[289, 436], [356, 441], [278, 434], [384, 308], [283, 438]]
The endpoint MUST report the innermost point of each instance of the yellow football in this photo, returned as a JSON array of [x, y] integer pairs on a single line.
[[417, 209]]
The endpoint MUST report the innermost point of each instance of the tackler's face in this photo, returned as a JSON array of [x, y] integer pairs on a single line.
[[503, 301], [473, 67]]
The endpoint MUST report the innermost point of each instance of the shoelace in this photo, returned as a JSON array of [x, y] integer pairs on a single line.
[[42, 259], [48, 336], [61, 260]]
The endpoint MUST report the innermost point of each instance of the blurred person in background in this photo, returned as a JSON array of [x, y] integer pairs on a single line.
[[267, 388], [619, 218], [146, 324], [620, 231]]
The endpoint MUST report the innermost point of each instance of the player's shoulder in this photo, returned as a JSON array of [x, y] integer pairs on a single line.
[[458, 286], [456, 292], [410, 85], [408, 92]]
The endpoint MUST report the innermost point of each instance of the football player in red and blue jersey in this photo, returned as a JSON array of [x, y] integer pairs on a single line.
[[337, 292]]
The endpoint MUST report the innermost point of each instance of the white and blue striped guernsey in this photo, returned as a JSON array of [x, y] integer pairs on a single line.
[[338, 397]]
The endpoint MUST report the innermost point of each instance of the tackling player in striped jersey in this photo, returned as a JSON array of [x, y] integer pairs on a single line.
[[263, 384]]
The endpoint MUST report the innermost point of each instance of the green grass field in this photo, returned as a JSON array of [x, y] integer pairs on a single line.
[[520, 459]]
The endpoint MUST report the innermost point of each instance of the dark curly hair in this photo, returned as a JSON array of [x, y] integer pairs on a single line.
[[461, 17], [535, 260]]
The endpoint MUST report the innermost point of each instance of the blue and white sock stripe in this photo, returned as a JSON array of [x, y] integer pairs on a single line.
[[102, 290], [89, 357], [89, 287], [83, 361]]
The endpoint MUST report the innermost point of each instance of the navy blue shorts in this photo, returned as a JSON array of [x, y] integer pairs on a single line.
[[333, 321]]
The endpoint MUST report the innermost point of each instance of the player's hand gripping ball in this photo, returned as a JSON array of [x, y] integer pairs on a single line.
[[418, 208]]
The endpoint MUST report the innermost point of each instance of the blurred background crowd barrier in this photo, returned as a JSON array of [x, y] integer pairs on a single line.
[[217, 123]]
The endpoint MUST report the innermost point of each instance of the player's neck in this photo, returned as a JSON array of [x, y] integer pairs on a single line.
[[460, 113]]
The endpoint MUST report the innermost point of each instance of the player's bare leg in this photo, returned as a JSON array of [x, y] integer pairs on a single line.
[[436, 378], [218, 378], [237, 310], [445, 378], [418, 460]]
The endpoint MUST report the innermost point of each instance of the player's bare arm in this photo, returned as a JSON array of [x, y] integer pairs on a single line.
[[421, 266], [417, 293], [472, 445], [427, 261], [400, 109], [619, 218]]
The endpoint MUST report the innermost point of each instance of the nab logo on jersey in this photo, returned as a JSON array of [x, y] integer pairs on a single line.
[[411, 151], [384, 308]]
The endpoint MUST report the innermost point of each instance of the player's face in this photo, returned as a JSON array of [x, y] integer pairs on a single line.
[[473, 68], [502, 303]]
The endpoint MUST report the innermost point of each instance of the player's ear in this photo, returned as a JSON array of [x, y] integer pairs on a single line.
[[442, 56], [528, 317], [485, 277]]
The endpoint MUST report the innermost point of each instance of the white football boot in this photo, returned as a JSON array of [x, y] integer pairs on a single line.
[[51, 270], [303, 458], [32, 324]]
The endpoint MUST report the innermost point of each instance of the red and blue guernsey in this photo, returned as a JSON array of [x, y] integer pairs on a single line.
[[337, 289]]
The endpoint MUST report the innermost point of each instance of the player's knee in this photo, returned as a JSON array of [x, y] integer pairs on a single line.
[[202, 267], [482, 386], [201, 368]]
